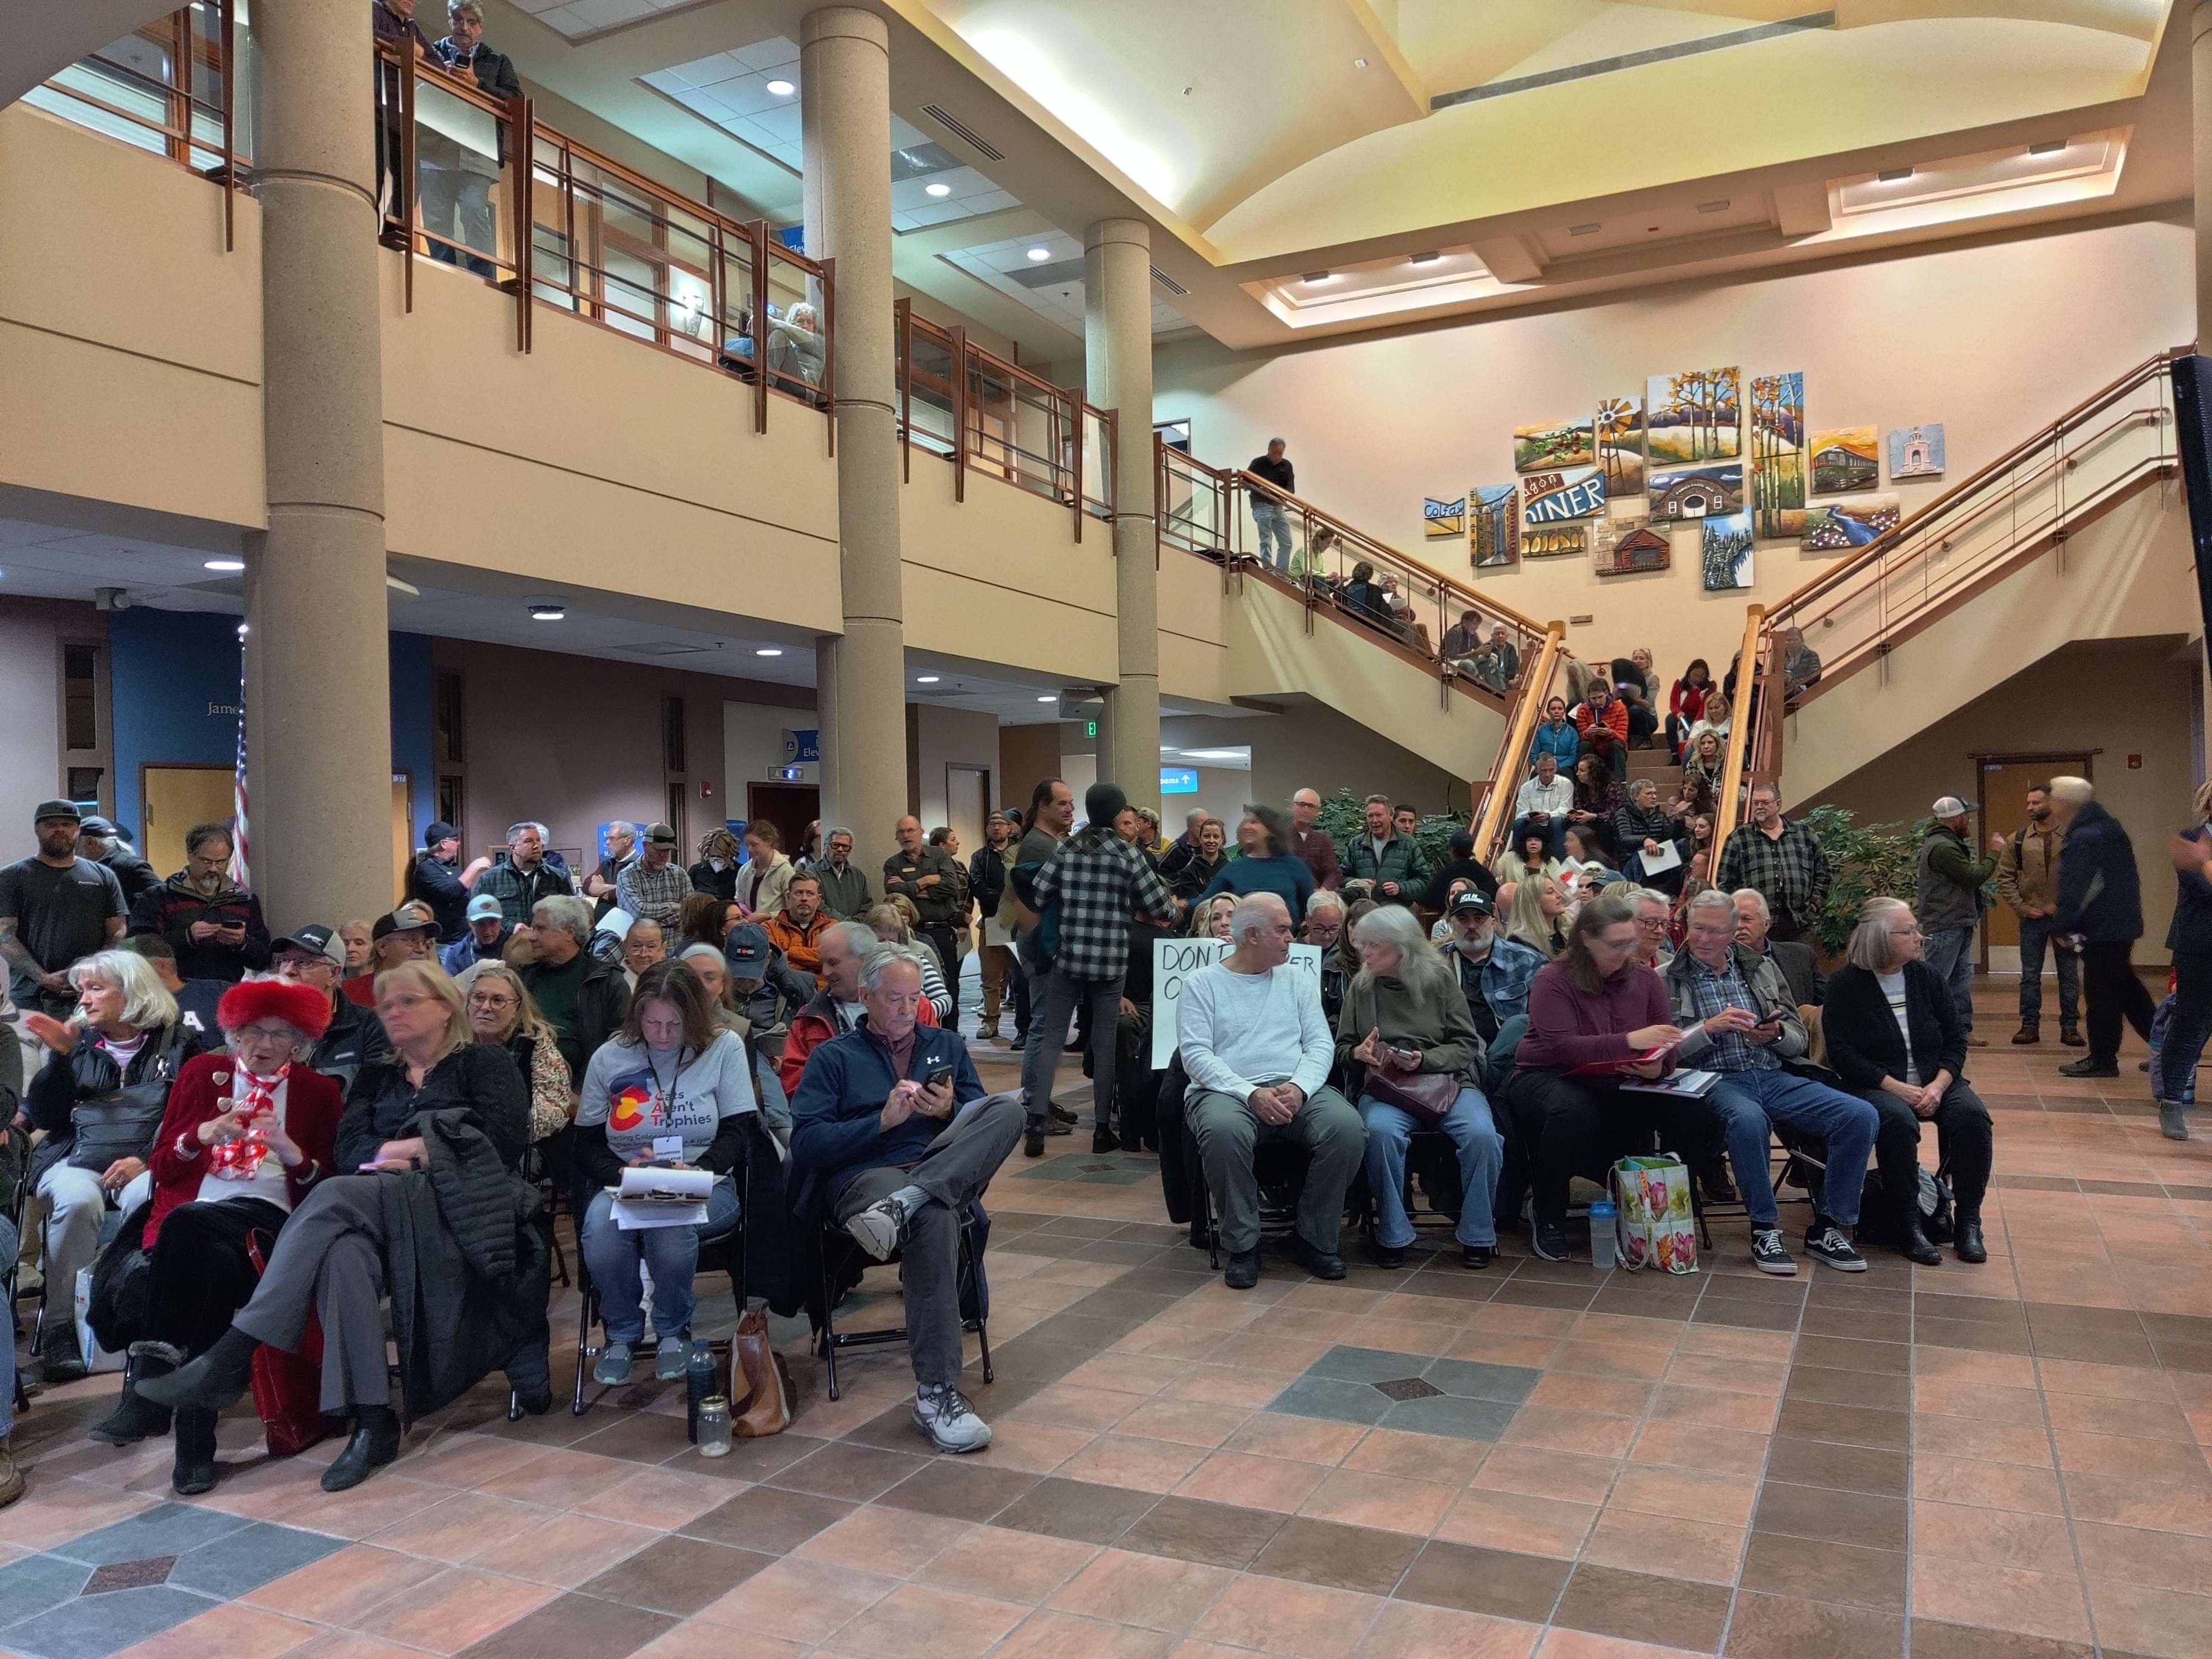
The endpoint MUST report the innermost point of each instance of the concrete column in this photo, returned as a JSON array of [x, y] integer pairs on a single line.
[[318, 712], [845, 122], [2200, 60], [1117, 365]]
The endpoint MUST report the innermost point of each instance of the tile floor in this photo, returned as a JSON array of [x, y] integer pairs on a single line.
[[2003, 1462]]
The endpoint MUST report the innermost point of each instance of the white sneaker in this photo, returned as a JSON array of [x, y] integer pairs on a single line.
[[944, 1414], [881, 1228]]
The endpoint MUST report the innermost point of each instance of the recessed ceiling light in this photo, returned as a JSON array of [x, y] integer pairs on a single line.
[[223, 564], [1712, 207], [2051, 147], [1424, 258], [547, 610], [1583, 230], [926, 679], [768, 651], [1894, 175], [1359, 63], [937, 189], [781, 89], [1047, 699], [1313, 277], [1040, 253]]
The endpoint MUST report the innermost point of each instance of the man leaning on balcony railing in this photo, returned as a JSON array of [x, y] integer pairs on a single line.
[[456, 178]]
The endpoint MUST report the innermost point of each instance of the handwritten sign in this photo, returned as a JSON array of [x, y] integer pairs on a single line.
[[1175, 960]]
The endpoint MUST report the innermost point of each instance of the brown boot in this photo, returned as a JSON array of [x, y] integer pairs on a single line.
[[2028, 1034]]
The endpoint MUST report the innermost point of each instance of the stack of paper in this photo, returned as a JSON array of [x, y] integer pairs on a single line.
[[659, 1197]]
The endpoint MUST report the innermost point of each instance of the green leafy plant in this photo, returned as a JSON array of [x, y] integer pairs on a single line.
[[1345, 818], [1868, 860]]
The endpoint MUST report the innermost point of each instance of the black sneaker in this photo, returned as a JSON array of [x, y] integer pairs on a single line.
[[1033, 1138], [1828, 1243], [1242, 1271], [2090, 1065], [1103, 1141], [1322, 1264], [1549, 1241], [1767, 1254], [1059, 1114], [1384, 1257], [1477, 1256]]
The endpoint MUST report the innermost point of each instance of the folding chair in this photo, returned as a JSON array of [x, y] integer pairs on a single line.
[[841, 1254], [1280, 1168]]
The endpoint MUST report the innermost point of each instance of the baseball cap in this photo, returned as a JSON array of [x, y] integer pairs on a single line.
[[58, 808], [484, 908], [1950, 806], [314, 939], [1472, 900], [406, 919], [96, 825], [438, 832], [746, 949], [659, 835]]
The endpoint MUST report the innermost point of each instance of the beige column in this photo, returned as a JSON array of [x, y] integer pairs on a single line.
[[2200, 60], [1117, 365], [846, 125], [318, 713]]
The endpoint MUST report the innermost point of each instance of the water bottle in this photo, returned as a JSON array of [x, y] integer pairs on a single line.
[[1602, 1214], [699, 1382]]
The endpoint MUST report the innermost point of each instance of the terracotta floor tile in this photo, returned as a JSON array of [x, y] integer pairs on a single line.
[[1128, 1373], [1417, 1456], [1994, 1486], [1033, 1448], [388, 1499], [459, 1607], [2158, 1623], [1409, 1630], [2111, 1382], [1264, 1483], [895, 1542], [1952, 1396], [1127, 1460], [2121, 1502], [1067, 1405], [233, 1630], [1967, 1437], [800, 1600], [1582, 1644], [1301, 1621], [1687, 1494], [1541, 1473], [1999, 1597], [458, 1526], [1191, 1423], [694, 1640], [2125, 1457], [922, 1621], [1149, 1590], [1998, 1537], [1737, 1373], [564, 1550], [560, 1478], [1302, 1439], [661, 1497], [344, 1585], [1720, 1407], [1357, 1498], [2135, 1555], [1613, 1395], [1519, 1522], [1009, 1566], [1700, 1446], [1701, 1550], [1048, 1635], [1223, 1385], [1592, 1434], [1732, 1342]]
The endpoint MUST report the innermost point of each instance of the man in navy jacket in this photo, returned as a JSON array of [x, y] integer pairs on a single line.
[[893, 1137], [2100, 904]]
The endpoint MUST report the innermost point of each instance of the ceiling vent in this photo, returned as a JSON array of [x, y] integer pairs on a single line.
[[960, 129], [662, 648], [1168, 283]]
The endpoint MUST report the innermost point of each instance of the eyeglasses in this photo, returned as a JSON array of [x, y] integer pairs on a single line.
[[493, 1000]]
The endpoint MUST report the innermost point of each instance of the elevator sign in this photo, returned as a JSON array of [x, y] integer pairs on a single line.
[[802, 748]]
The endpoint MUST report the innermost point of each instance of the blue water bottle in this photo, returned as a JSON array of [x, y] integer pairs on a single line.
[[1602, 1215]]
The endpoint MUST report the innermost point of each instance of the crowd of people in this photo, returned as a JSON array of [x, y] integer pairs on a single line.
[[248, 1145]]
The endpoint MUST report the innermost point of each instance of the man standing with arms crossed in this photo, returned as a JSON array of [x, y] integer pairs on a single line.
[[2028, 880]]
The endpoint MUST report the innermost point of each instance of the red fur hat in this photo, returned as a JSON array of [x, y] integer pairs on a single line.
[[253, 1000]]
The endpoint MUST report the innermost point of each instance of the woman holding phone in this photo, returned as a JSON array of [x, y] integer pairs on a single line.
[[672, 1088]]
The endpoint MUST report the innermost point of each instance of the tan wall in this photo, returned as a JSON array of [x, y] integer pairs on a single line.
[[945, 736], [31, 633], [2117, 697], [1992, 340]]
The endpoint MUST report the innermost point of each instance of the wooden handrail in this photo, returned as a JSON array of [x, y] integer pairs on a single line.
[[1727, 794], [1529, 698]]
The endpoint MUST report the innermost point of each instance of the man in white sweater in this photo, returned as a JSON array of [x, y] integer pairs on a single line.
[[1258, 1050]]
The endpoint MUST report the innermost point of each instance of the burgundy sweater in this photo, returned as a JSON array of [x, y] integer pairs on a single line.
[[1570, 1027]]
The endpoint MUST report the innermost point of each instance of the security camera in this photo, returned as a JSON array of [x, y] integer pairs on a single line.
[[110, 599]]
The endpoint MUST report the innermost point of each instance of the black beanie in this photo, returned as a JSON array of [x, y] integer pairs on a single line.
[[1102, 802]]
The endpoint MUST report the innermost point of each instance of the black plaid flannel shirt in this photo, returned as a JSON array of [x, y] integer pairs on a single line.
[[1100, 882]]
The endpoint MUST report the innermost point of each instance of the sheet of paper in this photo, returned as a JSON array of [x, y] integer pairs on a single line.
[[1668, 857]]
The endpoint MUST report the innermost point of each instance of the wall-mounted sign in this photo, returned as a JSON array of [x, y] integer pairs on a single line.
[[802, 748], [1178, 780]]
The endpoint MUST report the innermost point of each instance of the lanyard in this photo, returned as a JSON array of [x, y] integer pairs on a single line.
[[663, 1093]]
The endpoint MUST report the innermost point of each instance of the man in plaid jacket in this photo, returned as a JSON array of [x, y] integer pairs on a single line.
[[1087, 892]]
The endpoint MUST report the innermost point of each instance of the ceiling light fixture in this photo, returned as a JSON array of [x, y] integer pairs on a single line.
[[2051, 147], [926, 679], [1359, 63], [1712, 207], [1583, 230], [937, 189], [223, 564], [1893, 175], [1040, 254], [1314, 278], [1424, 258], [768, 651], [781, 89], [547, 610], [1047, 699]]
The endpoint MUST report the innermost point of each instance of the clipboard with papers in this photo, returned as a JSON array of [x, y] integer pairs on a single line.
[[654, 1196]]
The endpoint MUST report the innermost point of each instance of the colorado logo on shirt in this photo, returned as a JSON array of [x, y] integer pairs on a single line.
[[631, 1107]]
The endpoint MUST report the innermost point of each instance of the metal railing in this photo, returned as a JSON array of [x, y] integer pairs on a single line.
[[994, 419], [1912, 574], [1728, 788]]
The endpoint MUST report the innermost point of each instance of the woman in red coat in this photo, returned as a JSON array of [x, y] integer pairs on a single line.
[[247, 1133]]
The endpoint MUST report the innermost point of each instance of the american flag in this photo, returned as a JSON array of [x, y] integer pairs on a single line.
[[239, 867]]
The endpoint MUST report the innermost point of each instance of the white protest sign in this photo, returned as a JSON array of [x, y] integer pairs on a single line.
[[1175, 960]]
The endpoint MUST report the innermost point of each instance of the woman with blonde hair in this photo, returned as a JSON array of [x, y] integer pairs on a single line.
[[1210, 918], [1539, 916], [895, 921], [504, 1014]]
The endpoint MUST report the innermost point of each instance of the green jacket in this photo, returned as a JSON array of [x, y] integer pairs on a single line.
[[1401, 861], [1436, 1022], [1951, 879]]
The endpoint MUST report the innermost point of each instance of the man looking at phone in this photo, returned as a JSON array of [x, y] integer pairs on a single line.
[[875, 1148], [215, 928], [1739, 1019]]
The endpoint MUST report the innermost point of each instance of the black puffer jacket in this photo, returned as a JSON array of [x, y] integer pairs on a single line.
[[86, 1073], [476, 1080]]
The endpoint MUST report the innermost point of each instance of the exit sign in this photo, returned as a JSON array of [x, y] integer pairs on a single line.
[[1090, 728]]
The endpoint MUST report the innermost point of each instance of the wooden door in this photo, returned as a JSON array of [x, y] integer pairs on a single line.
[[967, 804], [2005, 781], [172, 799], [789, 806], [402, 833]]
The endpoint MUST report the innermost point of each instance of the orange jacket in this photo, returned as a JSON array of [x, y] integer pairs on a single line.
[[801, 947], [1614, 720]]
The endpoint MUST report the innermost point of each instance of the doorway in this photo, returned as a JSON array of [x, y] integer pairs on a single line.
[[789, 806], [2004, 780], [172, 799], [967, 804]]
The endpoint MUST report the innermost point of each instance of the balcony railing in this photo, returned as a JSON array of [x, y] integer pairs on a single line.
[[994, 419]]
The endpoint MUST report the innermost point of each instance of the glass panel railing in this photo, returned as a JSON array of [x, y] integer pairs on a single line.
[[461, 215], [161, 89], [798, 341]]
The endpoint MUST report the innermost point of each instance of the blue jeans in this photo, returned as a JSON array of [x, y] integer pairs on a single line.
[[1272, 520], [1950, 952], [1481, 1153], [2035, 933], [1751, 1102], [612, 1256], [10, 1242]]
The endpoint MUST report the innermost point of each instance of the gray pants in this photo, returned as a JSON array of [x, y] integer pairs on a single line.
[[1053, 999], [958, 1166], [1228, 1134], [330, 1258]]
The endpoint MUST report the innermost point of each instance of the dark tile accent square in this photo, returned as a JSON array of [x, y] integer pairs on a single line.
[[93, 1627], [1832, 1572], [962, 1492], [36, 1583], [1985, 1309], [1644, 1607], [573, 1626], [1464, 1399], [1501, 1583], [1933, 1638], [1788, 1628], [1845, 1354], [1195, 1529], [1408, 1388], [1336, 1400], [1851, 1426], [1824, 1386], [1746, 1315], [1982, 1336], [640, 1437], [1840, 1320], [1448, 1414], [129, 1574], [762, 1518], [1835, 1517], [1363, 1559], [676, 1574], [840, 1470], [165, 1529], [249, 1558], [1077, 1510]]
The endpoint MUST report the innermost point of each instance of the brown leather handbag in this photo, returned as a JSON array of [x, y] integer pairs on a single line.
[[1425, 1096], [765, 1406]]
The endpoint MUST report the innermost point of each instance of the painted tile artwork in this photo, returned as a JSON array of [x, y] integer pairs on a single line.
[[1542, 448], [1698, 492], [1724, 552], [1555, 541], [1916, 452], [1697, 416], [1842, 526], [1845, 460], [1443, 521], [1777, 450], [1621, 446], [1494, 527], [1631, 547], [1551, 497]]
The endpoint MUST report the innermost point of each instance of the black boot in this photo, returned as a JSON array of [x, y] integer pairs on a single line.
[[195, 1468], [1912, 1244], [375, 1442], [214, 1380], [135, 1417], [1966, 1240]]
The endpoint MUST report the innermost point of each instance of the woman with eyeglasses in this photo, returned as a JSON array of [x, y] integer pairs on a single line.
[[426, 1210], [1894, 1038], [503, 1014]]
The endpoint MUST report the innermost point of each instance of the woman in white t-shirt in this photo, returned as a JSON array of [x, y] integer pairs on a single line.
[[672, 1087]]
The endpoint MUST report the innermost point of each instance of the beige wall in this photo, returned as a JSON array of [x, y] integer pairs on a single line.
[[2117, 697], [945, 736], [31, 635], [1992, 340]]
